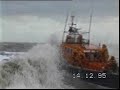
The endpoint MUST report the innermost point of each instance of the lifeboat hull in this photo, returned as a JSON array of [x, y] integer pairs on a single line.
[[106, 79]]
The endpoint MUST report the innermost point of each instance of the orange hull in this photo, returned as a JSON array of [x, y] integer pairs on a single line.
[[74, 54]]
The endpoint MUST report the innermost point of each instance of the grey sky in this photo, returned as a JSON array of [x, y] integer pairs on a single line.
[[32, 20], [49, 8]]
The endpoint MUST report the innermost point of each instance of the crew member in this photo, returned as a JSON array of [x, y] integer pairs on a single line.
[[114, 64], [104, 52], [71, 29]]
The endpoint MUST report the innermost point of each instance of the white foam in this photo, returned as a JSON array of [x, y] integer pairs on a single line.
[[36, 69]]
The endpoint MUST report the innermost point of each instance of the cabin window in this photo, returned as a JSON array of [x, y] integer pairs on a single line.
[[68, 50], [92, 55], [97, 55]]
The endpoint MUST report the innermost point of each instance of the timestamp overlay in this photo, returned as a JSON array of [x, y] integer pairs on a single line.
[[99, 78], [90, 75]]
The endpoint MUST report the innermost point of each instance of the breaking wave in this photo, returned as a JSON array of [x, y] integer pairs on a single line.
[[36, 69]]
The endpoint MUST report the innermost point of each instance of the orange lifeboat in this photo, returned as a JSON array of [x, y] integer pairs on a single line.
[[78, 52]]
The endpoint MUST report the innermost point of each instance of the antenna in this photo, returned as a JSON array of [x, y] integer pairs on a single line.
[[91, 14], [65, 27], [72, 20]]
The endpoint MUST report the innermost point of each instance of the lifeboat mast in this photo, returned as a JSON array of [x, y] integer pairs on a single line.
[[74, 31]]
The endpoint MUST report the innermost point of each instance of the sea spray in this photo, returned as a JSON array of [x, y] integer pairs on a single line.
[[36, 69]]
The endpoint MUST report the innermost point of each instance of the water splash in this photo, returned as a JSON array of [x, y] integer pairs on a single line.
[[36, 69]]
